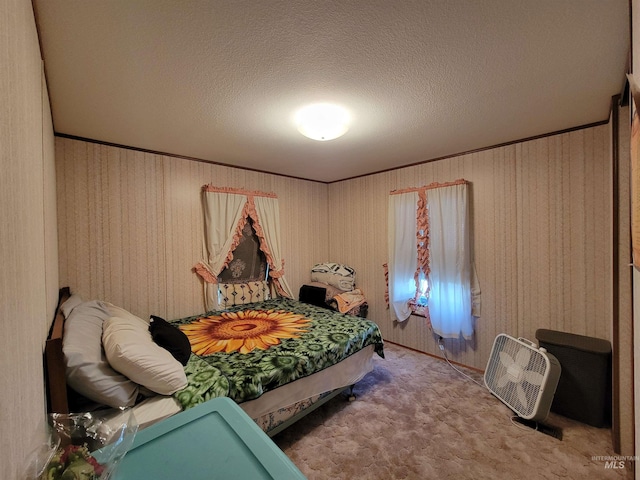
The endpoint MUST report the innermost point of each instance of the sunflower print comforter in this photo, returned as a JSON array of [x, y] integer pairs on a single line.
[[247, 350]]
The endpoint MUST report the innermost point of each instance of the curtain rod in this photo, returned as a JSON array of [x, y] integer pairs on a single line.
[[460, 181], [239, 191]]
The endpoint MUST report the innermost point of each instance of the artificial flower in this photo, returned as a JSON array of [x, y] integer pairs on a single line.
[[73, 462]]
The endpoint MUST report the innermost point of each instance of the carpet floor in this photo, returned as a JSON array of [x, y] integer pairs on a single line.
[[415, 417]]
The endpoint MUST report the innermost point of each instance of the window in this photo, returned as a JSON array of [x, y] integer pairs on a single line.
[[249, 263], [225, 213], [423, 292], [429, 257]]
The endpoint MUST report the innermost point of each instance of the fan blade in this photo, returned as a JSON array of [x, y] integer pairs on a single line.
[[506, 360], [521, 396], [502, 381], [534, 378], [523, 356]]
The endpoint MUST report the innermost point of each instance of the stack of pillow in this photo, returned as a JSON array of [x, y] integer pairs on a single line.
[[336, 275], [113, 357]]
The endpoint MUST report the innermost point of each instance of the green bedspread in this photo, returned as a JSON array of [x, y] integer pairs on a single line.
[[247, 350]]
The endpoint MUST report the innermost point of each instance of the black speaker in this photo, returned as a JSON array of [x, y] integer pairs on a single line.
[[584, 388], [313, 295]]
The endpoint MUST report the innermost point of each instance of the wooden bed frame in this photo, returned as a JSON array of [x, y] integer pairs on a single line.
[[56, 382]]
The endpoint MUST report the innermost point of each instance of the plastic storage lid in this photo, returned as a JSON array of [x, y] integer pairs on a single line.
[[571, 340]]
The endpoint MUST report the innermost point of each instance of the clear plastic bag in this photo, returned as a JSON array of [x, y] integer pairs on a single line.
[[83, 446]]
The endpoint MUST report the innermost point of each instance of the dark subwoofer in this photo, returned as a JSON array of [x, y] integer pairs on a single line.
[[584, 388]]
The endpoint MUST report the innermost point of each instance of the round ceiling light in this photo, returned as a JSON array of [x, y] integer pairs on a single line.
[[322, 121]]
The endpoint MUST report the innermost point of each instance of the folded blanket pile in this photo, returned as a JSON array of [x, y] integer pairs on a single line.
[[349, 300]]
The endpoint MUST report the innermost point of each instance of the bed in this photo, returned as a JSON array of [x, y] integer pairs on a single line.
[[279, 359]]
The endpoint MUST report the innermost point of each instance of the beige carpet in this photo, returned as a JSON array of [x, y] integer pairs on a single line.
[[417, 418]]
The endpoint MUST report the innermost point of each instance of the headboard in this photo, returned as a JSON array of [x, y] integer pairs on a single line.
[[56, 383]]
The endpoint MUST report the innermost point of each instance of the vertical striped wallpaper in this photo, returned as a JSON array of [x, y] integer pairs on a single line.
[[28, 234], [542, 238], [131, 226], [131, 230]]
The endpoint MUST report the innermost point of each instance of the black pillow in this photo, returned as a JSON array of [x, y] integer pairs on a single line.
[[170, 338]]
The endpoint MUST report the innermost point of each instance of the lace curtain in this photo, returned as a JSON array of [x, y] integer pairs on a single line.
[[249, 264], [225, 215], [429, 237]]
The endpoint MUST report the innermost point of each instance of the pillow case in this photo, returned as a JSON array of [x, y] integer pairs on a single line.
[[72, 302], [334, 274], [242, 293], [87, 370], [131, 351], [170, 338]]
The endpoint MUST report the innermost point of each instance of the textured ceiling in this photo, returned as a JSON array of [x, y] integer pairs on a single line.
[[220, 80]]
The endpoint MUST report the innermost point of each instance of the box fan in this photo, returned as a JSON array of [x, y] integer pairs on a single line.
[[522, 376]]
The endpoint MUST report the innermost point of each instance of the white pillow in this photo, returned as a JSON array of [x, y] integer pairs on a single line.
[[87, 370], [72, 302], [115, 311], [132, 352]]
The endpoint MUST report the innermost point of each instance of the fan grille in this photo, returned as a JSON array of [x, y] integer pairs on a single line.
[[509, 382]]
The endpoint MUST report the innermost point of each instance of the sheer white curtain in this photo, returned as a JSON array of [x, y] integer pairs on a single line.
[[403, 253], [450, 262], [268, 213], [222, 213]]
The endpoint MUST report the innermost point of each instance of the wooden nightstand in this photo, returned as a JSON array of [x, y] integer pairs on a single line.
[[215, 440]]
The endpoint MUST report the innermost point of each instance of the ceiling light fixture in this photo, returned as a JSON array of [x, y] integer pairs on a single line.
[[322, 121]]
